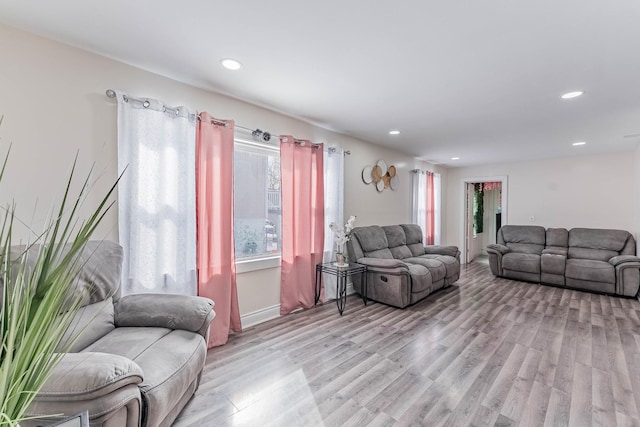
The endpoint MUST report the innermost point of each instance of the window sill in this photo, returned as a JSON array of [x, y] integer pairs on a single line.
[[255, 264]]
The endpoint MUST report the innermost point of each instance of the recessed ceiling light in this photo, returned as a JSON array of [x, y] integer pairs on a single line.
[[394, 132], [579, 143], [230, 64], [455, 158], [570, 95]]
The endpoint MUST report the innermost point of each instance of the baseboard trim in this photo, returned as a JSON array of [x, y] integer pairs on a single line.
[[259, 316], [269, 313]]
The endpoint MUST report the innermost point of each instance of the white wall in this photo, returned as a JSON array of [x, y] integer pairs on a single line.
[[584, 191], [53, 100]]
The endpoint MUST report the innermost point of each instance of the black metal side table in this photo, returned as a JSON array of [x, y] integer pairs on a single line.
[[341, 273]]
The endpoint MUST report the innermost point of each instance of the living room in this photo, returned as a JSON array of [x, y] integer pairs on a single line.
[[54, 106]]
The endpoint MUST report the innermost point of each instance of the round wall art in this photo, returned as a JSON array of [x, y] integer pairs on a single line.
[[381, 175]]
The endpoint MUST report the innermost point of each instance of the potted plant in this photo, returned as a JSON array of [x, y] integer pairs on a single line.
[[38, 303]]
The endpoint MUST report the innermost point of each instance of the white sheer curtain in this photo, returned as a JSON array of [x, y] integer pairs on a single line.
[[156, 197], [437, 211], [419, 215], [333, 209]]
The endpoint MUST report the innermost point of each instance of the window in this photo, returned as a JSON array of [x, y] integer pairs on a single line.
[[257, 201]]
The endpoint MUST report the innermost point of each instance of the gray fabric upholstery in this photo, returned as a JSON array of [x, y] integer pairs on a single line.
[[598, 260], [522, 238], [529, 263], [401, 271], [557, 237], [166, 377], [135, 360], [165, 311]]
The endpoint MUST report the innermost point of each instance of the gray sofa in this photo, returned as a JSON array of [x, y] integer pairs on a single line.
[[136, 360], [400, 269], [598, 260]]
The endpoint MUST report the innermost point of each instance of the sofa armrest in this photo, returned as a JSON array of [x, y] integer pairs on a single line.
[[442, 250], [617, 260], [105, 385], [501, 249], [183, 312], [89, 375], [495, 252], [382, 263]]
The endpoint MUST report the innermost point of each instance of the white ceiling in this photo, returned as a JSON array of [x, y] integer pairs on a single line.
[[476, 79]]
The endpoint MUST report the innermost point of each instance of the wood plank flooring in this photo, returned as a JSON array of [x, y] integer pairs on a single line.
[[484, 352]]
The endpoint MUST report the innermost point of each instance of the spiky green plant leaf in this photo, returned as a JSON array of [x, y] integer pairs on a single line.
[[38, 298]]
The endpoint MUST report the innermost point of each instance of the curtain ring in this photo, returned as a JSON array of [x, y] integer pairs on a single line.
[[146, 104]]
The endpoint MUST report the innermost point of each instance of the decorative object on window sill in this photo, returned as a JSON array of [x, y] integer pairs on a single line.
[[342, 235], [381, 175]]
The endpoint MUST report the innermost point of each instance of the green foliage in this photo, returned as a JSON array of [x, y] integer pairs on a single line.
[[478, 208], [38, 302]]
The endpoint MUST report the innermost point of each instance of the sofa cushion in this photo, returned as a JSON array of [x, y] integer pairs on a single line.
[[450, 263], [436, 268], [594, 238], [557, 237], [371, 238], [599, 244], [413, 234], [395, 235], [170, 360], [591, 254], [89, 324], [528, 263], [591, 270], [528, 239]]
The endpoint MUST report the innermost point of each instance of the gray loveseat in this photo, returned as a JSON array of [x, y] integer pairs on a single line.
[[598, 260], [137, 360], [400, 269]]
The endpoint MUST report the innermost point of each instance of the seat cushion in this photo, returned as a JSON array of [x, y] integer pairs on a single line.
[[528, 263], [170, 359], [591, 270], [450, 263], [436, 267]]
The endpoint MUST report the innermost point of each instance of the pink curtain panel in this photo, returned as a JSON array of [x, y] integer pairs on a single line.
[[431, 206]]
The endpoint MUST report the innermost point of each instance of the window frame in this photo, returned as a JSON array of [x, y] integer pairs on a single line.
[[264, 261]]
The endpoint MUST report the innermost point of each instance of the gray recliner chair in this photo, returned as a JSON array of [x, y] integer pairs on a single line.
[[136, 360]]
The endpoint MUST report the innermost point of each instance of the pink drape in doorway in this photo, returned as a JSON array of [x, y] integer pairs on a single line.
[[431, 207], [302, 186], [214, 211]]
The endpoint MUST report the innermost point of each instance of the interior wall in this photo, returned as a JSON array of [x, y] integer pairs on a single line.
[[596, 191], [54, 106]]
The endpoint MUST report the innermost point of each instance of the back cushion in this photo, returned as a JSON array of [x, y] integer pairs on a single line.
[[413, 235], [397, 241], [599, 244], [558, 237], [529, 239], [90, 323], [373, 241]]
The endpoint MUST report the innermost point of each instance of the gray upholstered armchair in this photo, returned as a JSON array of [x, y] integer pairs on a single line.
[[136, 360]]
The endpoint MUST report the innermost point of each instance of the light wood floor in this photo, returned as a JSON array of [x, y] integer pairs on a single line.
[[485, 351]]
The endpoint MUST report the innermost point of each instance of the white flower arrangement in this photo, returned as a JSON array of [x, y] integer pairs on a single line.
[[342, 235]]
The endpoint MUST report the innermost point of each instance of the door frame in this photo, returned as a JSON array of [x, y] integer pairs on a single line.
[[503, 179]]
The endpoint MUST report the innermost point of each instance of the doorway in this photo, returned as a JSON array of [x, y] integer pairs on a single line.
[[484, 210]]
